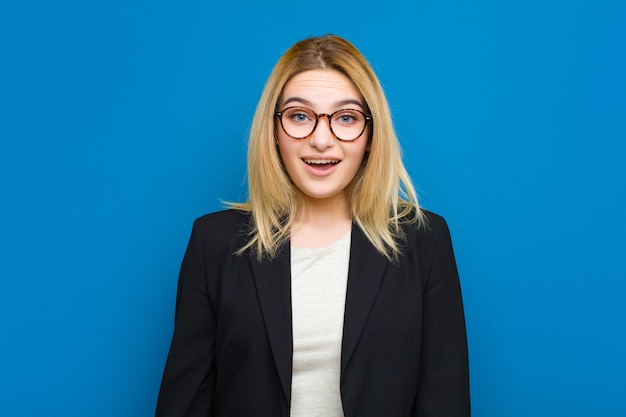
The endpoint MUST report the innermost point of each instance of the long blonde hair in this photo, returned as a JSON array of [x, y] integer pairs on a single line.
[[381, 196]]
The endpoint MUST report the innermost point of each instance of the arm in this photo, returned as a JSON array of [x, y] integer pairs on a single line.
[[189, 376], [444, 376]]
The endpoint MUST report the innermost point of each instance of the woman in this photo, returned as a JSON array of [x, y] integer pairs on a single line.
[[329, 292]]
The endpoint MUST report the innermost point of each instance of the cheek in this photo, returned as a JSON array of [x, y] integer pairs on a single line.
[[287, 150]]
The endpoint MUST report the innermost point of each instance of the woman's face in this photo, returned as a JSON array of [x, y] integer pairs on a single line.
[[320, 165]]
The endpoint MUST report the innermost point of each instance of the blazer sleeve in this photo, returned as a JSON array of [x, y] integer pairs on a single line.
[[189, 377], [443, 388]]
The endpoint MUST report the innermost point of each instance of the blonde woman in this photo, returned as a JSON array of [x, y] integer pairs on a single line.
[[330, 292]]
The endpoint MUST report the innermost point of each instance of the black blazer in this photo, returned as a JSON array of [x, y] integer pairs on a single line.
[[404, 350]]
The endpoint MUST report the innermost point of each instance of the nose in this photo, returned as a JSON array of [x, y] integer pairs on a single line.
[[322, 137]]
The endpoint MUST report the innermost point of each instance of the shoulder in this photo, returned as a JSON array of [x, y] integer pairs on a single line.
[[426, 236], [226, 229], [431, 227], [225, 219], [435, 223], [430, 246]]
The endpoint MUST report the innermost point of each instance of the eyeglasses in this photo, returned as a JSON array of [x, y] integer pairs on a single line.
[[346, 124]]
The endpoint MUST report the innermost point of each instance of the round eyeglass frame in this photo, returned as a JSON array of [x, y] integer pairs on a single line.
[[328, 116]]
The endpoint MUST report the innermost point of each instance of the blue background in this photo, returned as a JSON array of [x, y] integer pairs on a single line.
[[122, 121]]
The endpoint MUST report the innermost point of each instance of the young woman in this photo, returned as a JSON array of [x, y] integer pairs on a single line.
[[330, 292]]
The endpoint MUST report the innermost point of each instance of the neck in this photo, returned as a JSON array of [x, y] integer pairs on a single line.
[[321, 222]]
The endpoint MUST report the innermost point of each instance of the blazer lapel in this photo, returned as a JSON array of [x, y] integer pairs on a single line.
[[365, 274], [273, 284]]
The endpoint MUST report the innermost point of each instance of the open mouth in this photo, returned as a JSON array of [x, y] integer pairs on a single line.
[[321, 163]]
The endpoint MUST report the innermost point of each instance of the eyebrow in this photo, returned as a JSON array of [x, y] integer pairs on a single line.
[[308, 103]]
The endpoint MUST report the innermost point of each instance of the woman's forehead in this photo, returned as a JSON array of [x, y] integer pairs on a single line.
[[320, 87]]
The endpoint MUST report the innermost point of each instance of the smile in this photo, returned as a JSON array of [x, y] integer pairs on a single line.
[[321, 161]]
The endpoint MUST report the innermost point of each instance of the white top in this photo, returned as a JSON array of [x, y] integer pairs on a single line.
[[319, 278]]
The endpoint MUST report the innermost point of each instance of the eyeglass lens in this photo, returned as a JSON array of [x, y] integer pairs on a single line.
[[300, 122]]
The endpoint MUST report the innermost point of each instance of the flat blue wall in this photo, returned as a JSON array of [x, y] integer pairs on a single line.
[[122, 121]]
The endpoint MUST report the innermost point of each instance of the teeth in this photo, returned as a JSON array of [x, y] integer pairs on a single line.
[[320, 161]]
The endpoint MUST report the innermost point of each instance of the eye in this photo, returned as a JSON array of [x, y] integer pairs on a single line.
[[347, 117], [299, 115]]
